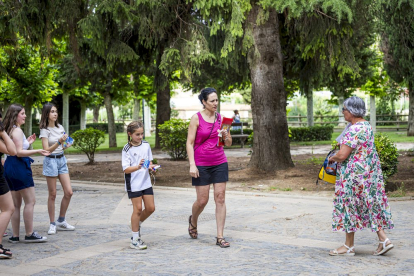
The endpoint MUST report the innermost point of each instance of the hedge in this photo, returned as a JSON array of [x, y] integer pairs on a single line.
[[314, 133], [119, 127]]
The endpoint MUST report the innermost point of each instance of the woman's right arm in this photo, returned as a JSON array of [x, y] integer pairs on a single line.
[[6, 144], [18, 141], [45, 144], [192, 131]]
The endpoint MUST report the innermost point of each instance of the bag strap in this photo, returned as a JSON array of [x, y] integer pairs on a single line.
[[211, 131]]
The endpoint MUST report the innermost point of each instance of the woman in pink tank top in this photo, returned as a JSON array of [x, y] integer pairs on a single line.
[[208, 163]]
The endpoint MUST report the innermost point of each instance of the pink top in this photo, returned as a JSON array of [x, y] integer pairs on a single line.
[[208, 153]]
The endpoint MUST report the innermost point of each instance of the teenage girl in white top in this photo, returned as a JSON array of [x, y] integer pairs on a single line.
[[55, 166]]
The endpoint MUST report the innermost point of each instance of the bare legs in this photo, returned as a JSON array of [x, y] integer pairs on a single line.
[[7, 209], [141, 215], [67, 195], [28, 195], [202, 200]]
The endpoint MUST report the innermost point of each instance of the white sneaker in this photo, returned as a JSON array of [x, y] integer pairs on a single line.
[[138, 244], [52, 230], [64, 226]]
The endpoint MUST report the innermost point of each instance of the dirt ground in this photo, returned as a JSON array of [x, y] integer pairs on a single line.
[[301, 178]]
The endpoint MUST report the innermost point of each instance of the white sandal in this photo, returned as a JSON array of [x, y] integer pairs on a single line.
[[347, 253], [385, 249]]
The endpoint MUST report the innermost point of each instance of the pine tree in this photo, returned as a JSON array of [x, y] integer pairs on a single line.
[[258, 23], [396, 19]]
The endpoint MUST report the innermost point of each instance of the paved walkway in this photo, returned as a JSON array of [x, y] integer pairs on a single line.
[[235, 152], [269, 235]]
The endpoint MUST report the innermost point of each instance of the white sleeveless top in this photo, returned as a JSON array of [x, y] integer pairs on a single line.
[[26, 144]]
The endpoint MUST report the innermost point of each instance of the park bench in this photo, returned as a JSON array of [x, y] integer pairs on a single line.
[[241, 136]]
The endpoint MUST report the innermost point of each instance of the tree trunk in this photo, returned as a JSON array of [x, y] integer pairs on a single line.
[[96, 113], [83, 115], [135, 114], [309, 104], [110, 113], [137, 102], [372, 113], [271, 149], [341, 120], [163, 97], [410, 129], [219, 101], [28, 104], [65, 115]]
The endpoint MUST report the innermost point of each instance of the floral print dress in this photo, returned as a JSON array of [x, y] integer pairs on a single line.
[[360, 200]]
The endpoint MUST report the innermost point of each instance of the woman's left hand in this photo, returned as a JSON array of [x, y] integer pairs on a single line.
[[31, 138], [223, 133]]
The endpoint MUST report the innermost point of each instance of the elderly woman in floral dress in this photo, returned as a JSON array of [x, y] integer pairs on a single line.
[[360, 200]]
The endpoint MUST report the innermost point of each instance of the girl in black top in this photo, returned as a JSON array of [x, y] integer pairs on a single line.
[[6, 202]]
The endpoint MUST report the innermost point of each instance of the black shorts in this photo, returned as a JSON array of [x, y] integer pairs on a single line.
[[4, 188], [211, 174], [148, 191]]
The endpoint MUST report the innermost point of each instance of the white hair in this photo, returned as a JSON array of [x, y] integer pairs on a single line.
[[356, 106]]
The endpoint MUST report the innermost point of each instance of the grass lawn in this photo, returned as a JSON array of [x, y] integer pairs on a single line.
[[121, 140]]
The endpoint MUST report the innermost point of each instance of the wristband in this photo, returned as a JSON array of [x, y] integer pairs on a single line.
[[59, 143]]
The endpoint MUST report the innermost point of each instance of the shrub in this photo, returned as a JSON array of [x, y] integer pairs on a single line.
[[87, 141], [315, 133], [238, 131], [119, 127], [173, 134], [388, 155], [72, 129], [237, 141]]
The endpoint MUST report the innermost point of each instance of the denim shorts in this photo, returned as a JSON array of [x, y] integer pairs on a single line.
[[54, 166]]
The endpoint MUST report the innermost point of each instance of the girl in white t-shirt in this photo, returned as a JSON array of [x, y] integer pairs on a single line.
[[137, 180], [55, 165]]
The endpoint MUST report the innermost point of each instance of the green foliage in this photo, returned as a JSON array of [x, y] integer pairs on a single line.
[[315, 133], [88, 140], [28, 77], [72, 129], [388, 155], [119, 127], [238, 131], [173, 134]]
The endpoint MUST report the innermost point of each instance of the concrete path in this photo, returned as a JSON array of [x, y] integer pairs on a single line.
[[283, 234], [297, 150]]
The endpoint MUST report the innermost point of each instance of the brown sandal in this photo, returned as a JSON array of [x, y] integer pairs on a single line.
[[222, 243], [192, 230]]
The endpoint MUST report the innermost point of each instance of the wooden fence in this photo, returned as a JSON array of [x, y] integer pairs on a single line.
[[397, 121]]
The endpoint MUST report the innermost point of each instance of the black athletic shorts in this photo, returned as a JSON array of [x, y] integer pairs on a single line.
[[211, 174], [148, 191], [4, 188]]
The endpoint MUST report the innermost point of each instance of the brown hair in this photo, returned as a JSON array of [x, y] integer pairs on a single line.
[[11, 117], [44, 120], [132, 127]]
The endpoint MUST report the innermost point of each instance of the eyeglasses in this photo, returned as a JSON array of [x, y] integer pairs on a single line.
[[344, 109]]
